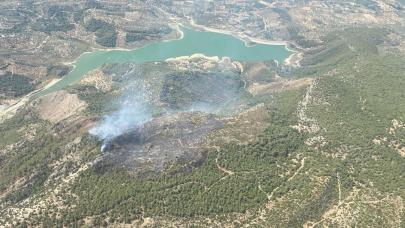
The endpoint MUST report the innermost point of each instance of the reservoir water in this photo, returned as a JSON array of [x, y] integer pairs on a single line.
[[192, 42]]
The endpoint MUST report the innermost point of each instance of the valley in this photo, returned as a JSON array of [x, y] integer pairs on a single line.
[[202, 113]]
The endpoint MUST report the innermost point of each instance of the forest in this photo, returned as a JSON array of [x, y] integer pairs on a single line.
[[15, 85], [105, 32]]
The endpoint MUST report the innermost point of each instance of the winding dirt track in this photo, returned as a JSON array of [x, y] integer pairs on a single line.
[[226, 171]]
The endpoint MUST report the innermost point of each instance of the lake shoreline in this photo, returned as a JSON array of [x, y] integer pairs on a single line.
[[177, 26], [194, 56], [246, 39], [181, 30]]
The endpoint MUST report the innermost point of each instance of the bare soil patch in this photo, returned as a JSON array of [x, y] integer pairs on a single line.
[[58, 106]]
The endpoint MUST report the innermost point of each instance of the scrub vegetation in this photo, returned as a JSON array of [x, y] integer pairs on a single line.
[[328, 153]]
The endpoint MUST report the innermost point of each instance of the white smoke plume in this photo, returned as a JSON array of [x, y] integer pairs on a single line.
[[138, 103], [133, 111]]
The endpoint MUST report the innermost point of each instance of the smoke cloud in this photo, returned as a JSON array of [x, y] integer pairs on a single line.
[[133, 110], [208, 93]]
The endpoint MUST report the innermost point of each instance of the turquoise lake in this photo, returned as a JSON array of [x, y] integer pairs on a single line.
[[193, 42]]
